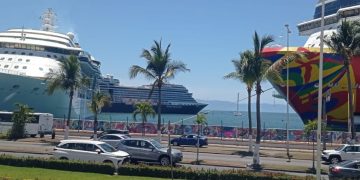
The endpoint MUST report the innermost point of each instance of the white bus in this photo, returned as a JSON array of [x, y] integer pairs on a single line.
[[39, 123]]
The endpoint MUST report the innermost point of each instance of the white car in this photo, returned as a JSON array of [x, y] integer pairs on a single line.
[[91, 151], [113, 139], [342, 153]]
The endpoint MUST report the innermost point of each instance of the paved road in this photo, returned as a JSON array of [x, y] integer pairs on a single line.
[[247, 159], [45, 148]]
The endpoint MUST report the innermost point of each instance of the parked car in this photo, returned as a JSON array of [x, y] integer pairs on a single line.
[[112, 131], [342, 153], [190, 139], [149, 150], [113, 139], [345, 170], [92, 151]]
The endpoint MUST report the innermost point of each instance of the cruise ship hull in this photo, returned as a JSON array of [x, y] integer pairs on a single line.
[[303, 85], [31, 91], [165, 109]]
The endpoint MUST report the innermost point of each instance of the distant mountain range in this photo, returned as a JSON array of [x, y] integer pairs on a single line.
[[231, 106]]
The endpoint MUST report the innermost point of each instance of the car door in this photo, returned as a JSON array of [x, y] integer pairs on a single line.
[[147, 151], [77, 152], [91, 154], [349, 153], [131, 146], [182, 140], [191, 140]]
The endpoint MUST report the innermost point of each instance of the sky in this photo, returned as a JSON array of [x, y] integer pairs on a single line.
[[204, 34]]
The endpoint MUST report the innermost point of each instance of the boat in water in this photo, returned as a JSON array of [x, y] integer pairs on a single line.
[[304, 72], [28, 55], [175, 99]]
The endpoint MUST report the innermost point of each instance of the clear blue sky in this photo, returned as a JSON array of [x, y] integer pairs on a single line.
[[206, 35]]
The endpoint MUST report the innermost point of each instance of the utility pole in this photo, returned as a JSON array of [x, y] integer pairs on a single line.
[[287, 92], [318, 151]]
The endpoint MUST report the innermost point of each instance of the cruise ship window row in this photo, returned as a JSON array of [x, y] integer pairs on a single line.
[[31, 54], [7, 66], [10, 59], [38, 48]]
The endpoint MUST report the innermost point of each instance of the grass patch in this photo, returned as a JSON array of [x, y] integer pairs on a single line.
[[13, 173]]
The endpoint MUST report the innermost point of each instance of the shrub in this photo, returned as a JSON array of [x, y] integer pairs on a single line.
[[56, 164], [189, 173]]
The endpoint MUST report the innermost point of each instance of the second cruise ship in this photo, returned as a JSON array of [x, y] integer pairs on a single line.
[[175, 98]]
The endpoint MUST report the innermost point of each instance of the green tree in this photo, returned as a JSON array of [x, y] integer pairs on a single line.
[[346, 43], [144, 109], [310, 126], [265, 70], [244, 73], [199, 121], [160, 68], [98, 101], [69, 79], [20, 116]]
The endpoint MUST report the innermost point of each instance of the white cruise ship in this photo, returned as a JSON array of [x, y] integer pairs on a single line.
[[27, 55]]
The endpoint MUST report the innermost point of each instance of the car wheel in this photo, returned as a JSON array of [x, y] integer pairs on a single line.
[[335, 159], [33, 135], [176, 143], [164, 161]]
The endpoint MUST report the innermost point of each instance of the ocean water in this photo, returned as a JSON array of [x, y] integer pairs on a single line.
[[225, 118]]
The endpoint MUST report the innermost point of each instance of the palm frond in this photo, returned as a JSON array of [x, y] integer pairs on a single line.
[[135, 70]]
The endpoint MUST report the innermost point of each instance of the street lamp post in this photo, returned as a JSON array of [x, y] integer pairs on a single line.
[[318, 151], [287, 92]]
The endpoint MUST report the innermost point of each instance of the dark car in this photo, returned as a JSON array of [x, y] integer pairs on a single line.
[[190, 139], [113, 131], [347, 169]]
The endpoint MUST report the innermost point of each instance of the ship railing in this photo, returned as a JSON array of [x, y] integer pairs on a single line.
[[8, 71]]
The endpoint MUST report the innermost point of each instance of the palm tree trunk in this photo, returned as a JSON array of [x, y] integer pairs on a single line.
[[351, 108], [66, 135], [159, 114], [250, 122], [256, 159], [95, 126]]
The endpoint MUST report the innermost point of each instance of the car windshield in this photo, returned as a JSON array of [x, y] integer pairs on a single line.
[[156, 144], [339, 148], [107, 147]]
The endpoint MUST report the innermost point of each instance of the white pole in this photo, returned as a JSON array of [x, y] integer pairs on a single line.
[[287, 92], [84, 104], [318, 138]]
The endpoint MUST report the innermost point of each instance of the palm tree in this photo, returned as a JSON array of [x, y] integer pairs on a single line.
[[346, 42], [160, 68], [199, 121], [244, 73], [260, 68], [98, 101], [144, 109], [68, 78]]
